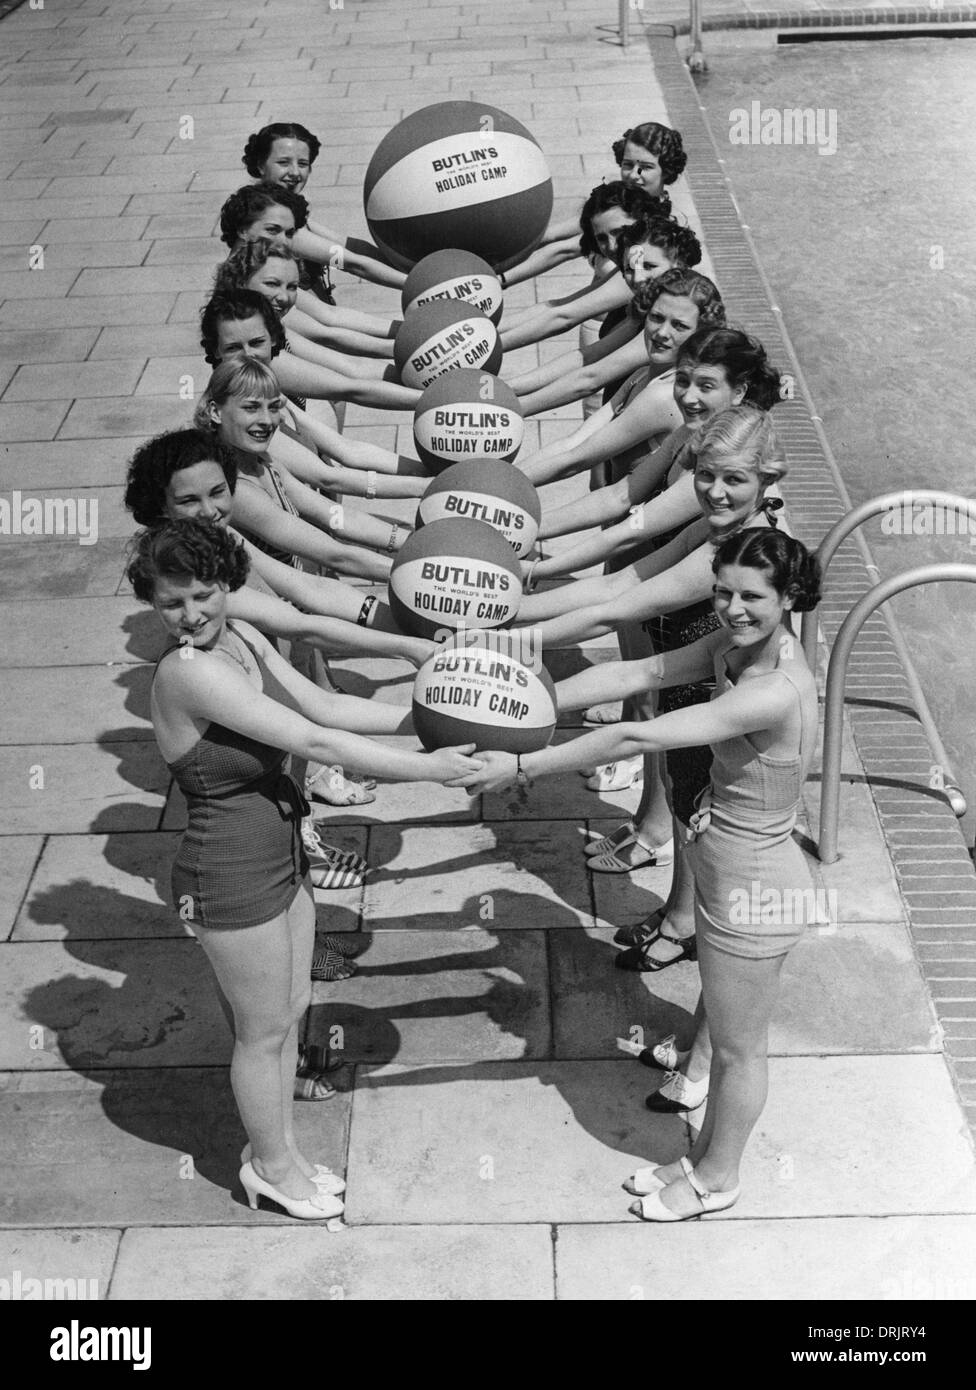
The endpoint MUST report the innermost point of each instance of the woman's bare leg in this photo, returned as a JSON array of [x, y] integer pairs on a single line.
[[254, 969], [301, 923], [739, 995]]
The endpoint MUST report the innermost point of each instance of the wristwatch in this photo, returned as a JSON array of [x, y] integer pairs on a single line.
[[522, 778]]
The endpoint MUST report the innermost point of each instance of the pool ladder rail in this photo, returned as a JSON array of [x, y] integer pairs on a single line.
[[839, 659]]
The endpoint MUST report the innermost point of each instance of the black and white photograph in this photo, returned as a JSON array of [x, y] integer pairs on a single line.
[[487, 558]]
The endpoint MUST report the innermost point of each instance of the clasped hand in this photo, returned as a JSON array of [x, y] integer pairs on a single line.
[[494, 770]]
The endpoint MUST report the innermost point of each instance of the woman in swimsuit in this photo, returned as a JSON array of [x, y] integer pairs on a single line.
[[227, 710], [750, 876], [646, 250], [243, 321], [650, 157], [308, 371], [283, 153]]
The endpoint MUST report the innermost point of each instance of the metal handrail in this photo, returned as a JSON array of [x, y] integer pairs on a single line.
[[835, 537], [837, 679], [856, 517], [624, 23]]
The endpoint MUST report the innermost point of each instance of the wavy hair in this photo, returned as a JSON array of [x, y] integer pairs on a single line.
[[259, 145], [660, 141], [244, 206], [185, 550]]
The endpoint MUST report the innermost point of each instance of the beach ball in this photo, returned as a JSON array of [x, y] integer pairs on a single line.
[[466, 414], [487, 490], [454, 275], [485, 689], [458, 174], [441, 337], [454, 573]]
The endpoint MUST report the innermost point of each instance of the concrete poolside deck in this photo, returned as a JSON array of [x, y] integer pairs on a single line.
[[487, 1113]]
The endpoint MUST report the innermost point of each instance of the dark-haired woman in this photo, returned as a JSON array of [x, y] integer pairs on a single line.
[[308, 371], [650, 157], [241, 321], [644, 251], [609, 208], [284, 153], [227, 710], [762, 727], [674, 305]]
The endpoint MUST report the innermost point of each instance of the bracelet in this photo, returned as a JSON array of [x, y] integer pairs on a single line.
[[522, 778], [370, 483], [530, 580], [391, 543], [365, 613], [502, 281]]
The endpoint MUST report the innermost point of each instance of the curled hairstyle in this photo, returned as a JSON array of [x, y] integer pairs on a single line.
[[742, 358], [153, 464], [678, 243], [250, 256], [258, 147], [632, 201], [235, 305], [240, 375], [185, 550], [745, 433], [660, 141], [687, 284], [242, 207], [791, 569]]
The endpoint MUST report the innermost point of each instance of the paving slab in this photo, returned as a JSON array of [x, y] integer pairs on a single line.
[[107, 786], [78, 632], [97, 310], [74, 1264], [854, 990], [40, 382], [432, 996], [483, 1143], [862, 879], [473, 1263], [910, 1258], [97, 704], [498, 876], [36, 420], [60, 567], [131, 1148], [105, 1004], [65, 463], [18, 860], [93, 887]]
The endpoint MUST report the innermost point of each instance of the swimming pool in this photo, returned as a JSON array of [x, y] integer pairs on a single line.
[[871, 250]]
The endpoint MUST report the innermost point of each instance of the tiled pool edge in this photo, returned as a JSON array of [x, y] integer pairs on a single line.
[[935, 873], [830, 19]]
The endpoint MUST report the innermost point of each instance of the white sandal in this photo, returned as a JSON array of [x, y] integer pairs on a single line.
[[624, 834], [617, 777], [651, 1207], [630, 855]]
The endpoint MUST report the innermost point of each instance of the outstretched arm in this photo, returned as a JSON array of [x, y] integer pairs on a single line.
[[584, 381], [301, 378], [316, 242], [556, 316], [738, 712], [620, 680], [254, 511], [326, 329], [674, 507], [545, 257], [651, 412], [336, 637], [313, 724], [361, 454]]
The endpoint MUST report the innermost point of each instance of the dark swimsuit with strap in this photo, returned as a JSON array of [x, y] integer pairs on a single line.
[[241, 861]]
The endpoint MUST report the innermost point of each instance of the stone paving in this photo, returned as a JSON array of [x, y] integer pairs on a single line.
[[487, 1111]]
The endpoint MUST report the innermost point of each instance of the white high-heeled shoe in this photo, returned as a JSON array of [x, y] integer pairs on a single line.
[[651, 1207], [324, 1179], [321, 1207]]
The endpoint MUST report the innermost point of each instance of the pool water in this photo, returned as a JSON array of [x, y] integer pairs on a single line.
[[871, 251]]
